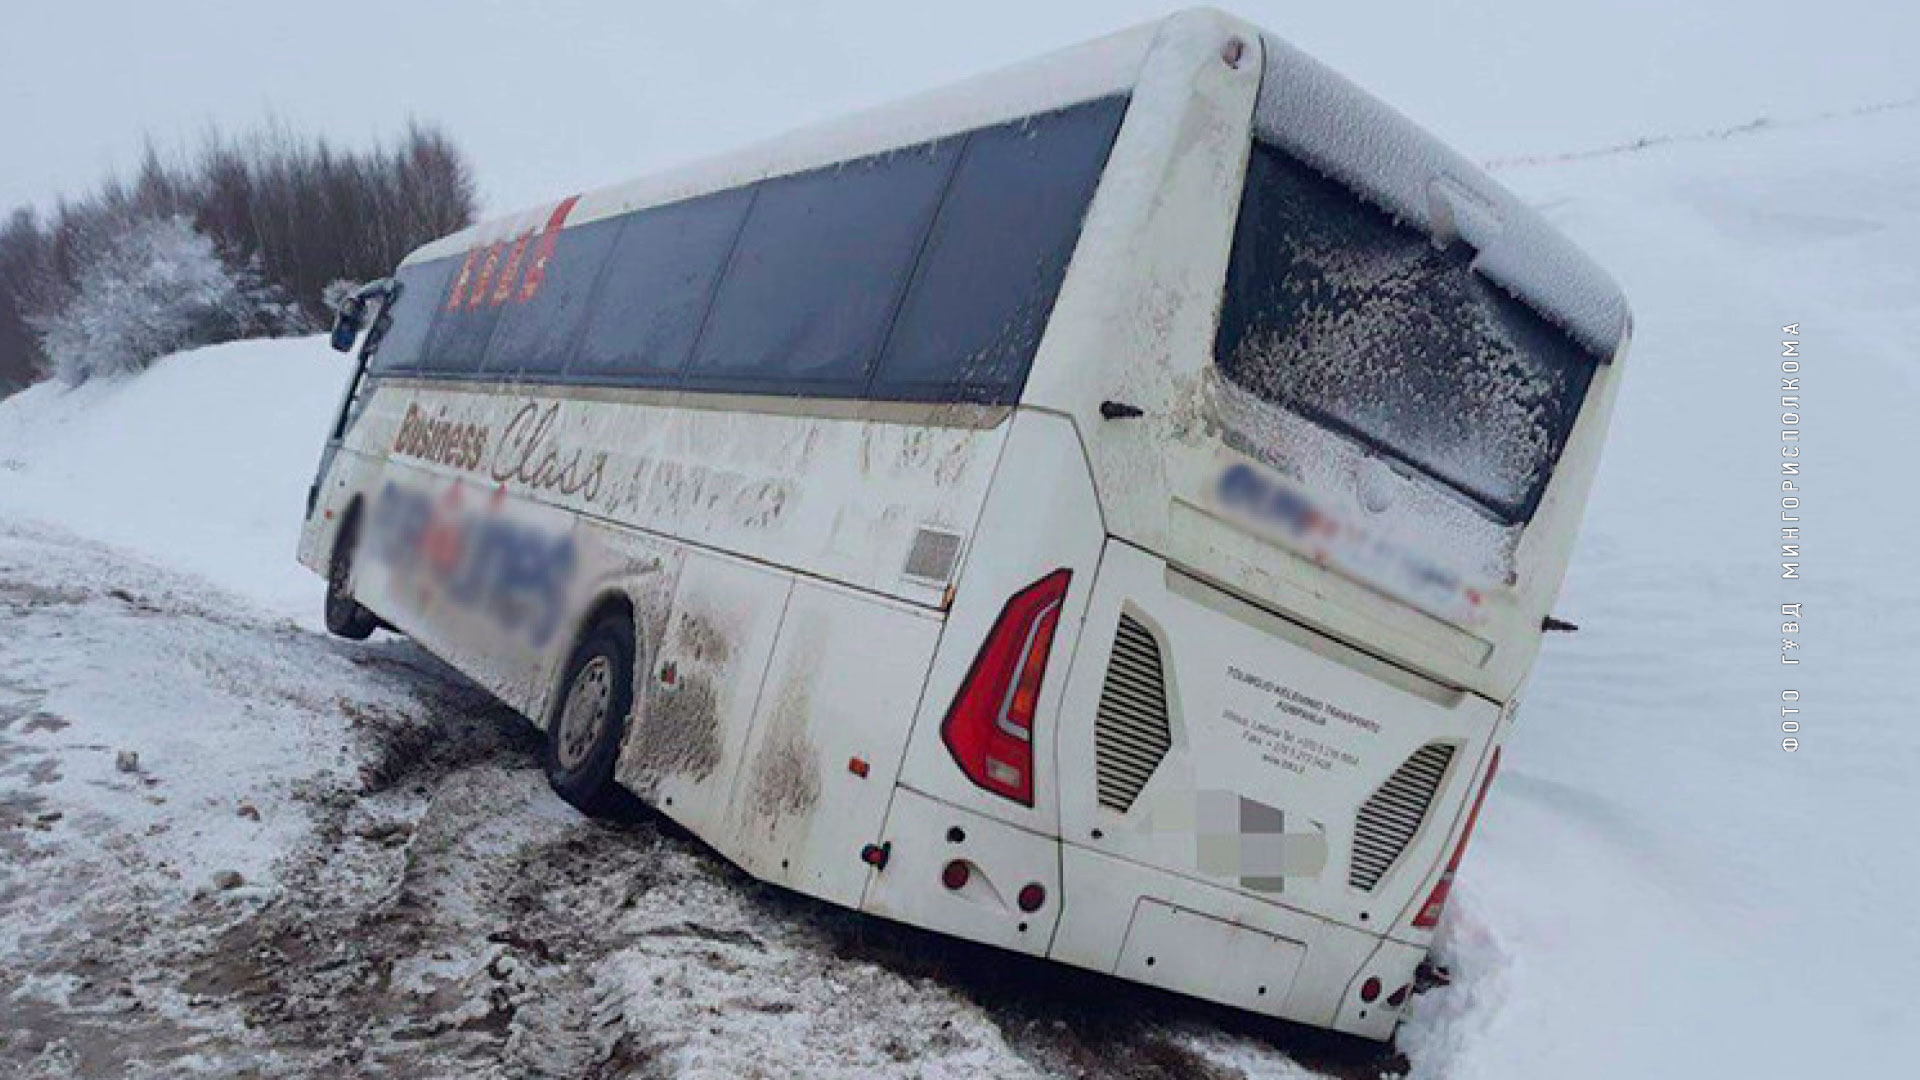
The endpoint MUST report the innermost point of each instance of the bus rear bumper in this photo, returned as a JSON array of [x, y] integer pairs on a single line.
[[1134, 921], [1171, 931]]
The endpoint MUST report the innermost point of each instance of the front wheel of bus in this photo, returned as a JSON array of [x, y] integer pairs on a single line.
[[591, 720], [345, 616]]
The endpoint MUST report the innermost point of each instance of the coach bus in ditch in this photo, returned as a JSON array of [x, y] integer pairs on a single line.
[[1107, 510]]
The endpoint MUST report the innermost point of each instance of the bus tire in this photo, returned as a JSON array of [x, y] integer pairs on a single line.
[[345, 617], [590, 719]]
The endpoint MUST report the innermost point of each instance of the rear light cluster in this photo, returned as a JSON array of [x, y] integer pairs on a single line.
[[1429, 916], [989, 729]]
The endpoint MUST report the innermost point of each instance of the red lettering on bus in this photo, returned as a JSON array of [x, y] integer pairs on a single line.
[[549, 238]]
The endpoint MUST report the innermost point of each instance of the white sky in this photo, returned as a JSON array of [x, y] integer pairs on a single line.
[[565, 95]]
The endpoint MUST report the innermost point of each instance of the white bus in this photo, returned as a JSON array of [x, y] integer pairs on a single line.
[[1106, 509]]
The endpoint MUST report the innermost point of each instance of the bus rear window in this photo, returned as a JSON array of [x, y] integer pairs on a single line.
[[1360, 324]]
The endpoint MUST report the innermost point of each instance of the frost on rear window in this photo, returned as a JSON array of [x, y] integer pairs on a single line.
[[1362, 325]]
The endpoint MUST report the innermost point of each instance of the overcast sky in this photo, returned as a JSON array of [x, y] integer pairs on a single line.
[[560, 96]]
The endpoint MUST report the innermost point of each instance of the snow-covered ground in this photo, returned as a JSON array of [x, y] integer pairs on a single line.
[[202, 463], [1656, 889]]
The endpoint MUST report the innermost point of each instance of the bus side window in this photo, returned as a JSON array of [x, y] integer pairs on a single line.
[[536, 336], [458, 342], [985, 286], [814, 281], [656, 290], [423, 288], [465, 322]]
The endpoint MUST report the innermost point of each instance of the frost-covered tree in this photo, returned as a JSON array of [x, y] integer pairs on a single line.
[[291, 218], [151, 288]]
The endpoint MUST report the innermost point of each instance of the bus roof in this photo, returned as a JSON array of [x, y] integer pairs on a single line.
[[1317, 115], [1304, 108]]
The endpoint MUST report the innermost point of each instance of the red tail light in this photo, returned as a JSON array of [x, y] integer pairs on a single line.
[[1429, 916], [989, 729]]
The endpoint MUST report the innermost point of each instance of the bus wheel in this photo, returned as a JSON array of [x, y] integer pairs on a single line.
[[345, 616], [591, 720]]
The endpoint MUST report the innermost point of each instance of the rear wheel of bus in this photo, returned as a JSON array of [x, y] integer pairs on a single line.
[[591, 718]]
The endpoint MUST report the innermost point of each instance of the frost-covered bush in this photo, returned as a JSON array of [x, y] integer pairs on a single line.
[[293, 213], [155, 287]]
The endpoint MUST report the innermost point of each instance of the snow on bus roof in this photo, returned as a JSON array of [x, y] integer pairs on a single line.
[[1304, 108], [1325, 120]]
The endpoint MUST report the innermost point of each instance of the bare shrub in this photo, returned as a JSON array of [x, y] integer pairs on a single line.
[[22, 258]]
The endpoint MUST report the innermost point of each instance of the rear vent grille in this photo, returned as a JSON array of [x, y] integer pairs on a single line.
[[1130, 735], [1389, 818]]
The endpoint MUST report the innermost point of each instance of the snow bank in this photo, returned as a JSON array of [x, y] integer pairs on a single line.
[[202, 462], [1656, 888]]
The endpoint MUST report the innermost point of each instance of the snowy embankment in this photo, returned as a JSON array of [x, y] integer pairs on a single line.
[[201, 463], [1656, 889]]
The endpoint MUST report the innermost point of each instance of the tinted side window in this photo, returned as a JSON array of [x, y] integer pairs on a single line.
[[468, 311], [999, 250], [423, 288], [655, 292], [536, 333], [819, 268]]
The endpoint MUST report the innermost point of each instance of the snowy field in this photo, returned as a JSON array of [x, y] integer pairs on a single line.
[[232, 846], [1657, 889]]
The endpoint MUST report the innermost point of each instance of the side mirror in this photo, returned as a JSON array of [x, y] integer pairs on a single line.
[[346, 323]]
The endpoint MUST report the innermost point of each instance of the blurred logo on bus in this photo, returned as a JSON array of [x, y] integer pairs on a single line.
[[1278, 508], [474, 558]]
